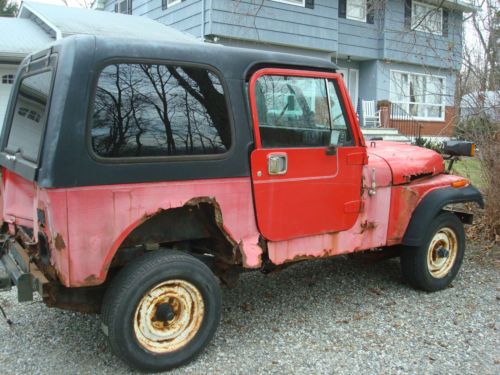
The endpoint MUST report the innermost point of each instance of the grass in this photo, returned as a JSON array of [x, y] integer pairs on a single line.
[[470, 168]]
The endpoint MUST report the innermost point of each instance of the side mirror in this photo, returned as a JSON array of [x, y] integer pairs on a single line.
[[459, 148]]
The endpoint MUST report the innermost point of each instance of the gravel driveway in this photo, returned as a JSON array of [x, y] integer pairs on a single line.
[[328, 316]]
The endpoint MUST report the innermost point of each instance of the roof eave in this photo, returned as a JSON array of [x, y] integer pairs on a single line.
[[25, 7], [461, 6]]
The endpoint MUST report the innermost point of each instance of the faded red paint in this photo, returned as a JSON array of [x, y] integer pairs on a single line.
[[92, 222], [405, 199], [369, 230], [408, 162], [324, 205]]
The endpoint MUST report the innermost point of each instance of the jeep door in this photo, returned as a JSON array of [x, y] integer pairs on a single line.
[[309, 154]]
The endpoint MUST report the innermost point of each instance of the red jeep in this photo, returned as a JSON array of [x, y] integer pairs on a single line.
[[138, 176]]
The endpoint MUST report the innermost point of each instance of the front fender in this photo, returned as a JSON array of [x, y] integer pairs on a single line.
[[430, 206]]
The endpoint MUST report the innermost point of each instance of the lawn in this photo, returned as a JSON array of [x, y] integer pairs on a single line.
[[471, 169]]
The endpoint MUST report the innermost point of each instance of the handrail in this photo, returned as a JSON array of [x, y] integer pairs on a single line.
[[404, 122]]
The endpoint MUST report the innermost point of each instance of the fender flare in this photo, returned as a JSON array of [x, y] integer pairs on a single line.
[[432, 204]]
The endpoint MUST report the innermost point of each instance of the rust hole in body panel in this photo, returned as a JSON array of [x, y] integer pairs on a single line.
[[59, 242]]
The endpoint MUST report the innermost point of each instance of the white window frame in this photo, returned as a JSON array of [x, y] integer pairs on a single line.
[[419, 118], [422, 25], [291, 2], [175, 2], [351, 75], [355, 18], [127, 10]]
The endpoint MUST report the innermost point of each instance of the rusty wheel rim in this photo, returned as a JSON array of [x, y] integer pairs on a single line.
[[173, 330], [442, 252]]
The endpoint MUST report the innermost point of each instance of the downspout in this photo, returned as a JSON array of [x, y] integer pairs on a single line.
[[203, 20]]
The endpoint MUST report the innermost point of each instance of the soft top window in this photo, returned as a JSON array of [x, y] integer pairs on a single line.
[[152, 110], [30, 113]]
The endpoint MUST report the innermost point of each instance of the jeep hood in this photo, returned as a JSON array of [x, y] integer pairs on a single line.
[[407, 162]]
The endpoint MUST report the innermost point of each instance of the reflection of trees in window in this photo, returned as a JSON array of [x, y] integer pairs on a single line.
[[158, 110]]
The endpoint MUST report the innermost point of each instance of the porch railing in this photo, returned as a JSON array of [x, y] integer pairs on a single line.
[[406, 124]]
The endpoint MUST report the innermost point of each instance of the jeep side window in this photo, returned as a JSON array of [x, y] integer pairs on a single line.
[[292, 111], [341, 132], [31, 107], [143, 110]]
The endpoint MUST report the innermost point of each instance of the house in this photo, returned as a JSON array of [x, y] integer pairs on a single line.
[[37, 25], [402, 52], [481, 104], [23, 38]]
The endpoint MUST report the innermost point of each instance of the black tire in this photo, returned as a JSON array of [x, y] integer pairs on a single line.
[[160, 272], [419, 271]]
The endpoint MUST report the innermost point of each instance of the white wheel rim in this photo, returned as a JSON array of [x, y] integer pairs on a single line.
[[187, 307], [442, 252]]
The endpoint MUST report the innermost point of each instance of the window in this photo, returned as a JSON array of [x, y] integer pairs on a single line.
[[123, 6], [418, 95], [8, 79], [427, 18], [356, 10], [30, 108], [147, 110], [168, 3], [301, 3], [296, 112]]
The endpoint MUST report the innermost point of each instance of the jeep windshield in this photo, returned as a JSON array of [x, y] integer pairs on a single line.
[[29, 116]]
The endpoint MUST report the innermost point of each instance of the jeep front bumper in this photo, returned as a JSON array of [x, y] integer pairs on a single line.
[[16, 268]]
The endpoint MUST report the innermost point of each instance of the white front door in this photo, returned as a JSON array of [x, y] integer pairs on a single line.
[[351, 79], [7, 75]]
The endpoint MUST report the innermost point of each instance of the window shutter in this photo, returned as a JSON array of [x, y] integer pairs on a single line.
[[342, 8], [310, 4], [116, 7], [163, 4], [129, 6], [408, 14], [445, 22], [370, 11]]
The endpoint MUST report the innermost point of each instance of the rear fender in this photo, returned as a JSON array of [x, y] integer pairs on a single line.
[[432, 204]]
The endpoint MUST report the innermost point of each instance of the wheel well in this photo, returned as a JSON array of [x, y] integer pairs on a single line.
[[196, 228], [432, 204]]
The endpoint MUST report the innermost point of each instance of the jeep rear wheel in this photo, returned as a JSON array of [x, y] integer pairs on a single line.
[[433, 265], [161, 310]]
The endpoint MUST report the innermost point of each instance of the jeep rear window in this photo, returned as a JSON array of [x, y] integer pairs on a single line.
[[30, 113], [148, 110]]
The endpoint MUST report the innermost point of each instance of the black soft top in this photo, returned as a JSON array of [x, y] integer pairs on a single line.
[[65, 160]]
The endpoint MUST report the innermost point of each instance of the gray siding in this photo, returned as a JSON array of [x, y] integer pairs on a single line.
[[418, 47], [276, 23], [375, 49], [359, 39], [185, 16]]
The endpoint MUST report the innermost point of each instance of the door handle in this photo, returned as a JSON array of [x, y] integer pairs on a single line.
[[277, 163]]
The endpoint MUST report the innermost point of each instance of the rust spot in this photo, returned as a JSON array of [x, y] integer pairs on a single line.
[[91, 280], [59, 242], [368, 225]]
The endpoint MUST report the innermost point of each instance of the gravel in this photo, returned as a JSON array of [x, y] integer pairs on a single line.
[[338, 315]]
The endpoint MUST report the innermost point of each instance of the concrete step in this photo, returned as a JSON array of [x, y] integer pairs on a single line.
[[379, 131], [387, 134]]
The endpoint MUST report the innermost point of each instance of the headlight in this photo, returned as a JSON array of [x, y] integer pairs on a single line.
[[459, 148]]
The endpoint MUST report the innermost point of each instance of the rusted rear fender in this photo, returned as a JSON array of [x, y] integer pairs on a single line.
[[430, 206]]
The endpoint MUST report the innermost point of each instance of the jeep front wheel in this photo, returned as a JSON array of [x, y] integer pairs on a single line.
[[161, 310], [433, 265]]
